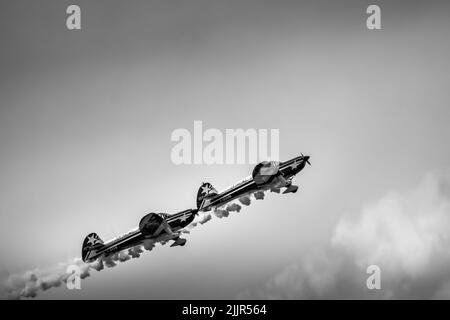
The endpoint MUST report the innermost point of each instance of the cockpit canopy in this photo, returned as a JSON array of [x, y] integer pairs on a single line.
[[164, 215], [265, 171]]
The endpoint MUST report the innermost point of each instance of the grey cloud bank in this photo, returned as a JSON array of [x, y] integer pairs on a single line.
[[407, 234]]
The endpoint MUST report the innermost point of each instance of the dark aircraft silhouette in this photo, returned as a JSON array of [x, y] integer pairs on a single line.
[[162, 227], [156, 227], [265, 176]]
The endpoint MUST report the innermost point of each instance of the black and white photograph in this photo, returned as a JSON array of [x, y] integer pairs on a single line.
[[224, 150]]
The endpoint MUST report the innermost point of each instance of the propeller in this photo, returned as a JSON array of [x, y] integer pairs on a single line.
[[306, 159]]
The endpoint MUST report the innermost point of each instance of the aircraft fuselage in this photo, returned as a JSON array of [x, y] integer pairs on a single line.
[[137, 236], [272, 177]]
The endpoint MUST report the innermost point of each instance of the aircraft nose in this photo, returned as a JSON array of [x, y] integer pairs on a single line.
[[306, 159]]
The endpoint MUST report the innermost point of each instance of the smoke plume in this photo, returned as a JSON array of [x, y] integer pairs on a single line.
[[405, 234], [259, 195], [205, 219], [245, 200], [135, 252], [221, 213], [233, 207], [30, 283]]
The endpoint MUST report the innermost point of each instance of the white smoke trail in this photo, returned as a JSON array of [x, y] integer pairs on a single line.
[[149, 244], [110, 261], [135, 252], [97, 265], [221, 213], [233, 207], [30, 283], [205, 219], [123, 256], [192, 225], [245, 200], [259, 195]]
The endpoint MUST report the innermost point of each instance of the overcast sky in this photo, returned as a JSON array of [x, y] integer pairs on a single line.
[[86, 118]]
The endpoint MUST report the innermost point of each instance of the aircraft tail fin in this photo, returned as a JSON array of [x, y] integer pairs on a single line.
[[91, 244], [204, 195]]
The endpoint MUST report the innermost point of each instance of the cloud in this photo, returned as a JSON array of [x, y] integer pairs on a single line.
[[407, 234], [443, 292]]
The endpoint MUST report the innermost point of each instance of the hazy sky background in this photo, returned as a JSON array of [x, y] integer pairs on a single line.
[[86, 118]]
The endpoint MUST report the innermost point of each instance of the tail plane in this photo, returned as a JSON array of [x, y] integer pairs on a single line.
[[91, 244], [204, 194]]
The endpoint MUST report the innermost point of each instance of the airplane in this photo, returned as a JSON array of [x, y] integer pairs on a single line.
[[156, 227], [265, 176]]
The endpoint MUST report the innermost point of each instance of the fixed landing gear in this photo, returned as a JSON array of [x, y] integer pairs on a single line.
[[291, 189], [178, 242]]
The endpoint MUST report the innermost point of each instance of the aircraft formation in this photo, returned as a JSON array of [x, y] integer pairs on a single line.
[[163, 227]]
